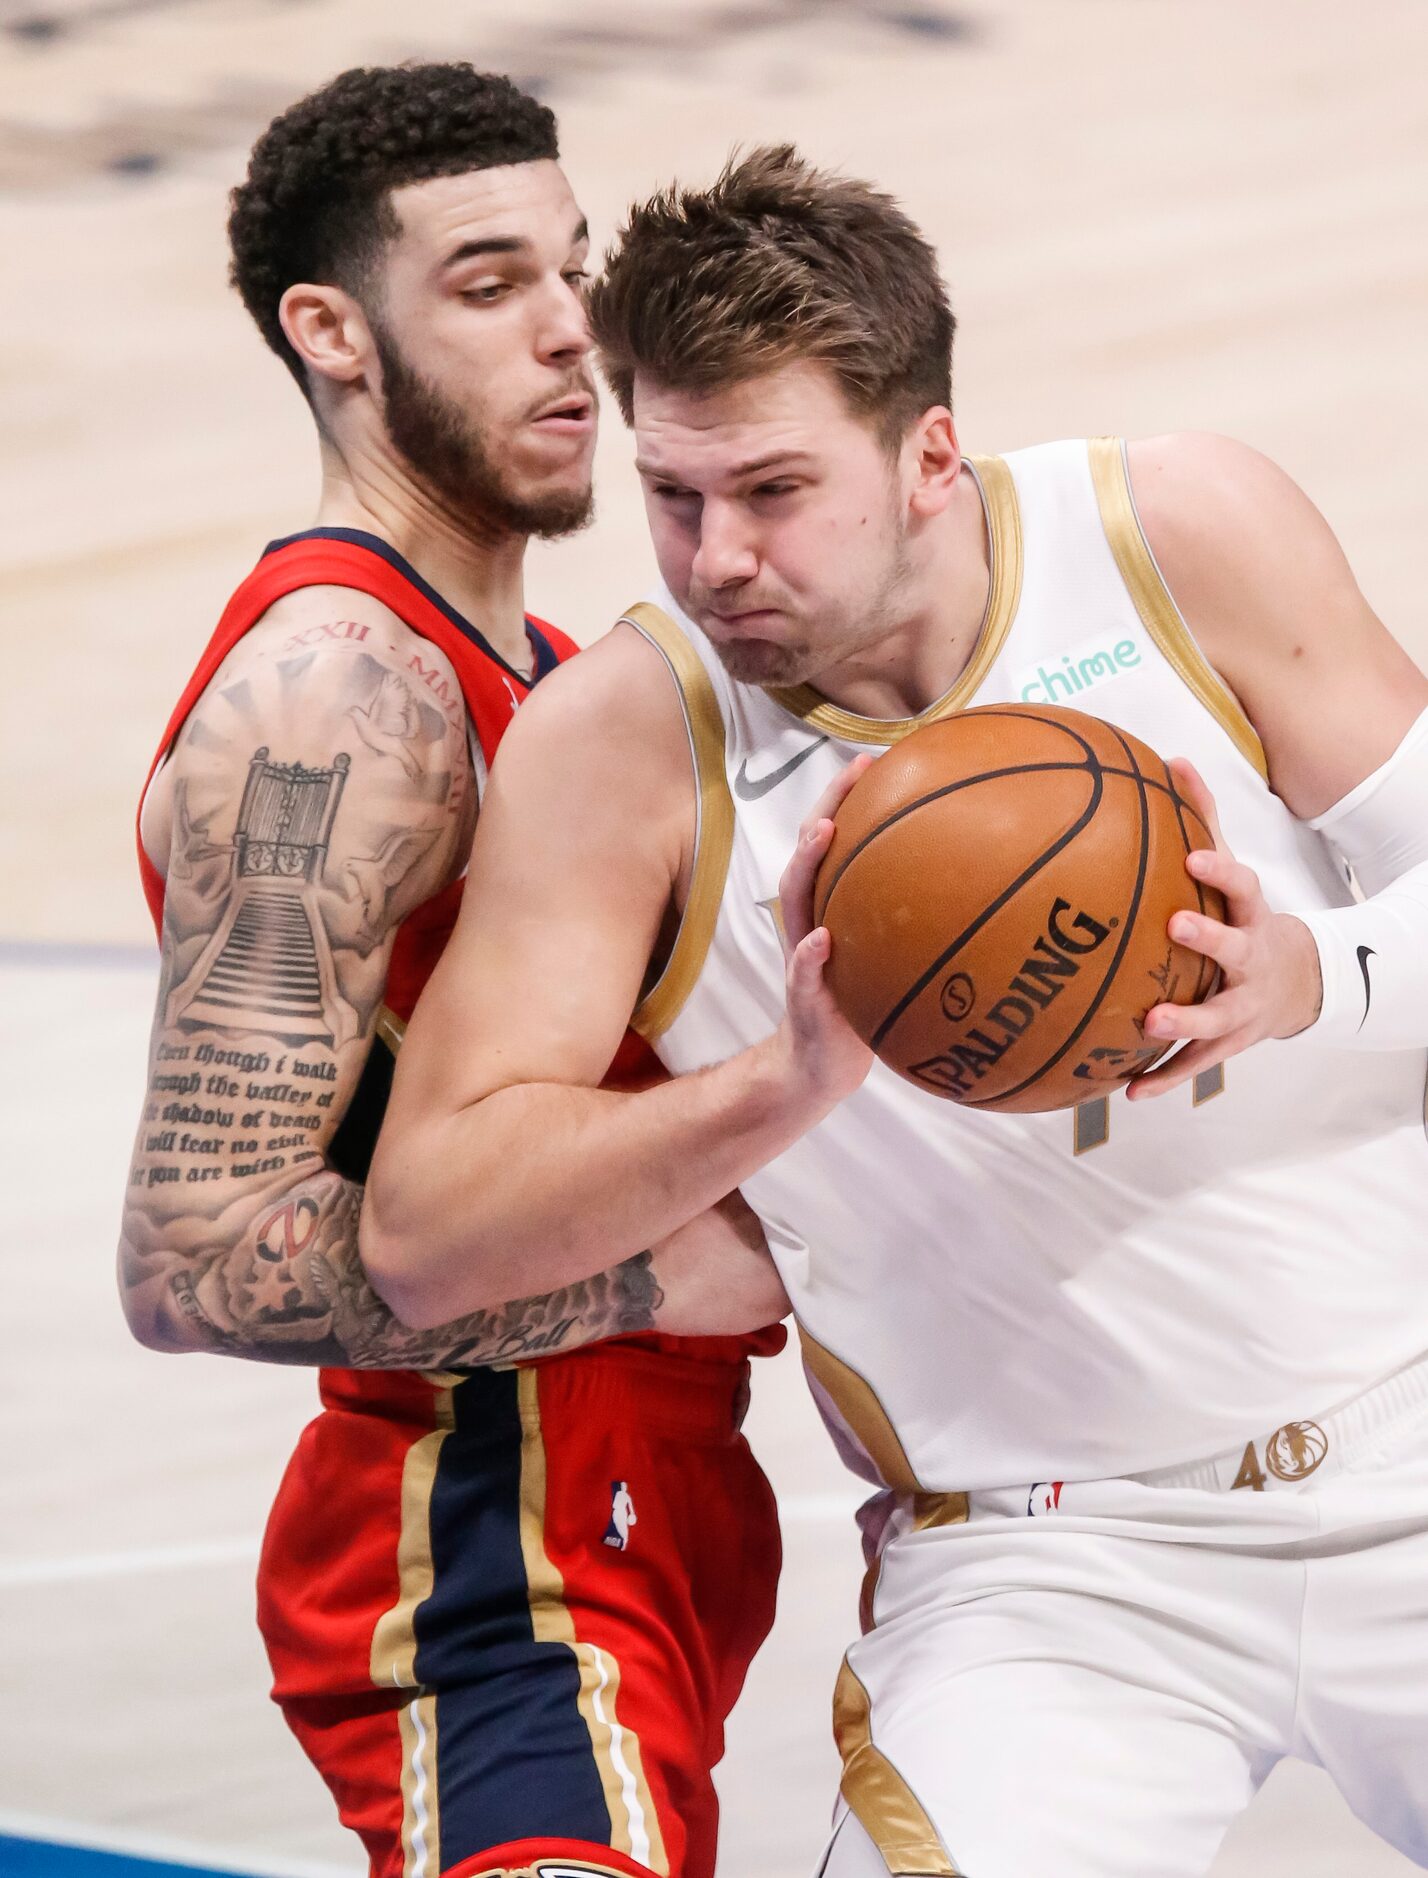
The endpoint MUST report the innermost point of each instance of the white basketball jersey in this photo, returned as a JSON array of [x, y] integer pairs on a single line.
[[994, 1298]]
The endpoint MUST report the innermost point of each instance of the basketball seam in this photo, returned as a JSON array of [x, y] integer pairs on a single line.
[[937, 795], [1109, 978], [1092, 768], [1019, 714], [983, 775], [1180, 807]]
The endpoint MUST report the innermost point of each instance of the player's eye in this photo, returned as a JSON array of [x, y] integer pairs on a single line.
[[577, 276], [779, 488], [487, 293], [671, 492]]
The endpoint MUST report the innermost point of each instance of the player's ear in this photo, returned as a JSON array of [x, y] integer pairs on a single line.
[[328, 331], [934, 458]]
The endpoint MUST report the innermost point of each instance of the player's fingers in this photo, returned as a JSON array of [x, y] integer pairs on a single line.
[[1239, 884], [795, 889], [834, 796], [1228, 946], [1220, 1016], [799, 877], [1181, 1067], [804, 976], [1194, 790]]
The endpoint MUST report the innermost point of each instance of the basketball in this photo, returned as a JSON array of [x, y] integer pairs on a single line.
[[997, 892]]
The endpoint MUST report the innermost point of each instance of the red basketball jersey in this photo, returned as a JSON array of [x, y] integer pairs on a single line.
[[492, 692]]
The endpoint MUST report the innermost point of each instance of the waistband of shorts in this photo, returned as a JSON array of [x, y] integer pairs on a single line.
[[1311, 1447], [683, 1397]]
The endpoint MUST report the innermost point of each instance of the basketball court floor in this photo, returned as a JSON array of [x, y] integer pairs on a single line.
[[1153, 214]]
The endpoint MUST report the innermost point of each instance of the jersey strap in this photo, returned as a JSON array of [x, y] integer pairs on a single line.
[[714, 828], [1153, 600]]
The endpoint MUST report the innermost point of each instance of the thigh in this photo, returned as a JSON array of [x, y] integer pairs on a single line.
[[662, 1532], [1030, 1730], [1364, 1692]]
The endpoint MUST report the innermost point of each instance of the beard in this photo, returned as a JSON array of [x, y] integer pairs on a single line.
[[446, 450], [762, 662], [841, 632]]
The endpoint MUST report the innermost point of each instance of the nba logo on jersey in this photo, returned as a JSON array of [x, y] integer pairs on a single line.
[[622, 1516], [1045, 1497]]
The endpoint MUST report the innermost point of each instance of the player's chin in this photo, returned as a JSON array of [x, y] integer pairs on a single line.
[[552, 506], [761, 662]]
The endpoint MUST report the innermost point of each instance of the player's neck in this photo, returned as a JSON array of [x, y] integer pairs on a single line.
[[939, 612], [478, 572]]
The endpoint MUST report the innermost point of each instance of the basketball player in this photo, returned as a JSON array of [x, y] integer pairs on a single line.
[[486, 1681], [1150, 1419]]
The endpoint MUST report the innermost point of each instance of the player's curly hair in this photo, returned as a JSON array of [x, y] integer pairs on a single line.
[[777, 262], [316, 202]]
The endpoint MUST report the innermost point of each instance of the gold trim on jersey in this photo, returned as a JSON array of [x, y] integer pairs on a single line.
[[390, 1028], [928, 1510], [1003, 516], [1156, 605], [885, 1805], [392, 1664], [714, 835], [615, 1747], [392, 1660], [857, 1402]]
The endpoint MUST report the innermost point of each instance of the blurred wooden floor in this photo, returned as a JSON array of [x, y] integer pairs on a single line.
[[1153, 213]]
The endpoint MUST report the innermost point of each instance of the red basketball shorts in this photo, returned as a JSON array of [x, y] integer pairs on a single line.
[[509, 1612]]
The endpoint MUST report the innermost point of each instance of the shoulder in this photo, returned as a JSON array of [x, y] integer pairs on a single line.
[[1271, 600], [1218, 511], [1250, 560], [599, 754], [617, 695], [322, 624], [321, 654]]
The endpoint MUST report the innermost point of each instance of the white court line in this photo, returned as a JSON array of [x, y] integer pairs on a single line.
[[136, 1563], [130, 1844], [797, 1509]]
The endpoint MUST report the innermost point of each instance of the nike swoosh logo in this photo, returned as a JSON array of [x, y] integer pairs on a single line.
[[749, 788], [1366, 953]]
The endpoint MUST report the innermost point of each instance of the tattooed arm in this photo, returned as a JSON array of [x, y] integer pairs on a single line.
[[320, 790]]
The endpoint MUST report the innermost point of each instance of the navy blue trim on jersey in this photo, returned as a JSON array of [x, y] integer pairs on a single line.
[[513, 1752], [546, 658]]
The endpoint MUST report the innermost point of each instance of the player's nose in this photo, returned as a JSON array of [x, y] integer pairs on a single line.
[[726, 550], [564, 334]]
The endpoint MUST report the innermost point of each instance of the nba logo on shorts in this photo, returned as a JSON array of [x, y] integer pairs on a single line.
[[622, 1516], [1045, 1497]]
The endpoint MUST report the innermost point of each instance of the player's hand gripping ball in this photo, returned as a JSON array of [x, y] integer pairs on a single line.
[[997, 892]]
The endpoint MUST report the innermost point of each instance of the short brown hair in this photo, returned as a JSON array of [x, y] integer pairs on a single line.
[[777, 262]]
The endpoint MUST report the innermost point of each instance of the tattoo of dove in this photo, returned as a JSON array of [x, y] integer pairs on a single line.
[[391, 722], [370, 878]]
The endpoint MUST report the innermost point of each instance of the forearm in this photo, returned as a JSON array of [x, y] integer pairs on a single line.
[[1373, 965], [292, 1290], [1373, 956], [553, 1182]]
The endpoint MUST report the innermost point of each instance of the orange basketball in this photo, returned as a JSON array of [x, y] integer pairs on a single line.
[[998, 891]]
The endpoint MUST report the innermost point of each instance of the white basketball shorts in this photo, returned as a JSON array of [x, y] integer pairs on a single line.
[[1091, 1679]]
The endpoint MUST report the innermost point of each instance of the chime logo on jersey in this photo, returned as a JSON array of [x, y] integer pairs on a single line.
[[1045, 1497], [622, 1516], [1090, 663]]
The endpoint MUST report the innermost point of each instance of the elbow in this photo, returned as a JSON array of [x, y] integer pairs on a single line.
[[408, 1285], [149, 1324]]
